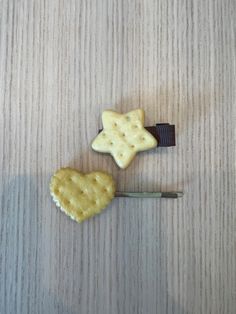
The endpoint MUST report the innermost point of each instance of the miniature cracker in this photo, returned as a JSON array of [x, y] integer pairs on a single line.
[[123, 136], [81, 195]]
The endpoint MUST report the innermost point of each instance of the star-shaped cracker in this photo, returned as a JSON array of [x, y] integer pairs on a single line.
[[123, 136]]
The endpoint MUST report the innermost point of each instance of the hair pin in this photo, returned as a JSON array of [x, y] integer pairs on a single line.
[[82, 196]]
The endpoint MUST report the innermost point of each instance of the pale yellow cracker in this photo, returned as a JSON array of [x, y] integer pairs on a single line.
[[123, 136], [81, 195]]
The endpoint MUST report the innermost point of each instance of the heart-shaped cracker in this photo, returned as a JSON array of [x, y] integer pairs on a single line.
[[81, 195]]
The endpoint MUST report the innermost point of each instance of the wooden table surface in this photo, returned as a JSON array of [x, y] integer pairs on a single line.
[[62, 62]]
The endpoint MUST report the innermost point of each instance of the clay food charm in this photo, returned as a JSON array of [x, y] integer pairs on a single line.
[[123, 136], [81, 195]]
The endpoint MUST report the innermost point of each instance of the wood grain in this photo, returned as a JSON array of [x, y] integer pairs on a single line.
[[62, 62]]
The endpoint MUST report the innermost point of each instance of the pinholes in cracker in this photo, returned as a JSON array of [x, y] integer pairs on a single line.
[[81, 195], [123, 136]]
